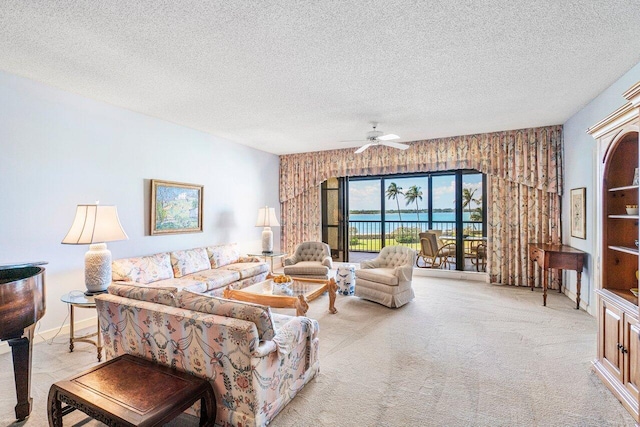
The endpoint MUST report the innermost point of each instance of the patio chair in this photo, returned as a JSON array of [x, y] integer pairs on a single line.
[[433, 252], [480, 259]]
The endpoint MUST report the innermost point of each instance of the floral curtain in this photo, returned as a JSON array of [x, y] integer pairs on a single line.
[[525, 173]]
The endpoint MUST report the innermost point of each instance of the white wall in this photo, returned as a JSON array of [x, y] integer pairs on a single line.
[[58, 150], [580, 170]]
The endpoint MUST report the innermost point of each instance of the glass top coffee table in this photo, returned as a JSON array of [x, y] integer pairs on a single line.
[[294, 294]]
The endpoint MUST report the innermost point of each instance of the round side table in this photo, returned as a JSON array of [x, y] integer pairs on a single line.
[[80, 300]]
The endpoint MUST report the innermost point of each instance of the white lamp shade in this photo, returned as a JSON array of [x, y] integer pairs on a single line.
[[267, 218], [95, 224]]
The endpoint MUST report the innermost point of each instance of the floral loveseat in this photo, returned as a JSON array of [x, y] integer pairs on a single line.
[[207, 270], [255, 360]]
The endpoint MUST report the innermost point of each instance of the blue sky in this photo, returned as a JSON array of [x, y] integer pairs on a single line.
[[366, 194]]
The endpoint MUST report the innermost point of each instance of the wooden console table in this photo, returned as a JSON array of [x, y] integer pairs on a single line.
[[561, 257]]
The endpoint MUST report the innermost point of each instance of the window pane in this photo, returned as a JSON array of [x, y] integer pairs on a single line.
[[444, 206], [472, 204], [365, 215]]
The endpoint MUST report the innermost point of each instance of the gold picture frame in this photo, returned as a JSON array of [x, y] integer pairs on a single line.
[[578, 202], [176, 207]]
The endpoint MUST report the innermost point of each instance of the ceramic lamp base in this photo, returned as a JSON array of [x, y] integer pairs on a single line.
[[97, 268], [267, 240]]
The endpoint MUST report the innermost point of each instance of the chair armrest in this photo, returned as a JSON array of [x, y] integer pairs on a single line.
[[327, 262], [249, 259], [370, 263], [291, 260], [404, 272], [265, 348], [291, 334]]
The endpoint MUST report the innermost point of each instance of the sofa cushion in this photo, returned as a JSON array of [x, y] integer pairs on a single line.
[[189, 261], [258, 314], [378, 275], [160, 295], [248, 269], [214, 279], [181, 283], [221, 255], [144, 269]]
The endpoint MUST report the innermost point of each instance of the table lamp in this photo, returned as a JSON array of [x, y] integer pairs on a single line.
[[94, 225], [267, 219]]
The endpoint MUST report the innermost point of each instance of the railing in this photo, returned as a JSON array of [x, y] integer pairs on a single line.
[[366, 236]]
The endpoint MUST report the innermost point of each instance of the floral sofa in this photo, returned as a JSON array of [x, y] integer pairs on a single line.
[[207, 270], [255, 360]]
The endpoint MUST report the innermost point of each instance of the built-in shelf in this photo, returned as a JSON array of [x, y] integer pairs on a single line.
[[625, 294], [624, 216], [626, 187], [625, 249]]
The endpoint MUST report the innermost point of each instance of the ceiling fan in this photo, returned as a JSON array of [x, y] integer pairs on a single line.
[[376, 137]]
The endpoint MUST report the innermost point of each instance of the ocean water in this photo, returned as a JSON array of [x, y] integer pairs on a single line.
[[369, 228]]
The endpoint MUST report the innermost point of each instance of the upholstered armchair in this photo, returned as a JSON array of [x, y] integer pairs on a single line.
[[310, 260], [387, 278]]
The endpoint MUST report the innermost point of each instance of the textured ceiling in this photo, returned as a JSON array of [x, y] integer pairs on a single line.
[[296, 76]]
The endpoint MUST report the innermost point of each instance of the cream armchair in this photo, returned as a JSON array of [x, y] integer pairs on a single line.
[[310, 260], [387, 278]]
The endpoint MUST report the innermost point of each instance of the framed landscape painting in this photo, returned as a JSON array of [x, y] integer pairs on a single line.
[[175, 207], [578, 214]]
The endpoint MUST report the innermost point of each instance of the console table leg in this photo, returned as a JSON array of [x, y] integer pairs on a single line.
[[578, 284], [545, 284]]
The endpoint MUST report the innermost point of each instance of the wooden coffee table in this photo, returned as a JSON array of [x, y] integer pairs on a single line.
[[295, 294], [130, 391]]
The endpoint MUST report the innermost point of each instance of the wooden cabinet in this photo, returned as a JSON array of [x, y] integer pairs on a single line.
[[617, 234]]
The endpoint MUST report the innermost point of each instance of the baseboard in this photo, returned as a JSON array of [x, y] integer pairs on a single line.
[[42, 336], [452, 274]]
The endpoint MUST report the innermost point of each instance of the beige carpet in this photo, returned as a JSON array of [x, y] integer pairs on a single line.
[[461, 354]]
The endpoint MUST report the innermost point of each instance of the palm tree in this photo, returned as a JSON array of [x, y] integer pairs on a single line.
[[467, 198], [393, 191], [413, 194]]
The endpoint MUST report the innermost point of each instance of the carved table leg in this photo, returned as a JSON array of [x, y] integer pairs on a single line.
[[301, 306], [208, 409], [54, 408], [333, 288]]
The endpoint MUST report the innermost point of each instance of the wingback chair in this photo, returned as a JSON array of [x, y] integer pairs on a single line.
[[387, 278], [310, 260]]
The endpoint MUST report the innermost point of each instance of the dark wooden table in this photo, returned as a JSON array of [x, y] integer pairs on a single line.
[[561, 257], [130, 391]]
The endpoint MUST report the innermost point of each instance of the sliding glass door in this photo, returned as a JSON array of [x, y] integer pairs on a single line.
[[379, 211]]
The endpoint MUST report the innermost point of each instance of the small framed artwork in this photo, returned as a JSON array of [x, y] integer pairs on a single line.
[[175, 207], [636, 179], [578, 213]]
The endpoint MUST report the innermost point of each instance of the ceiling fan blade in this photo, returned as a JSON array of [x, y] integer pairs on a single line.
[[387, 137], [395, 145], [364, 147]]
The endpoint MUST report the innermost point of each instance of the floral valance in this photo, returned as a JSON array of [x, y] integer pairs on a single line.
[[530, 157]]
